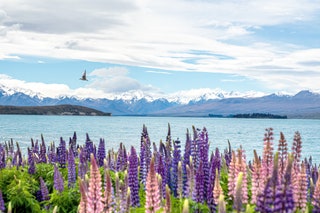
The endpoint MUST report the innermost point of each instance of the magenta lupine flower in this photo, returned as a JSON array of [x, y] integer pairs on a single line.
[[62, 153], [267, 157], [153, 199], [94, 203], [2, 207], [283, 154], [296, 150], [101, 155], [133, 181], [256, 178], [71, 169], [44, 190], [58, 180]]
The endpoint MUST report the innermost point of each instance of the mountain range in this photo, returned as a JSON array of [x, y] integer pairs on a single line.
[[304, 104]]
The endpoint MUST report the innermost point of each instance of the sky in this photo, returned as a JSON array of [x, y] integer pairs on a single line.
[[158, 48]]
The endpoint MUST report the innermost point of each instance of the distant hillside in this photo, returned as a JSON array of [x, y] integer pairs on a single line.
[[52, 110]]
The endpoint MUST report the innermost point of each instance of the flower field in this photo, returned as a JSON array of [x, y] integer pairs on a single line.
[[157, 177]]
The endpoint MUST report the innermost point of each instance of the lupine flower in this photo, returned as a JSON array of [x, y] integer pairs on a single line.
[[179, 182], [52, 153], [256, 178], [73, 144], [316, 197], [284, 194], [71, 169], [58, 180], [43, 149], [83, 197], [89, 146], [83, 164], [108, 193], [62, 153], [204, 157], [32, 166], [174, 172], [145, 154], [185, 162], [152, 190], [167, 208], [198, 193], [133, 177], [101, 152], [237, 203], [94, 203], [283, 154], [267, 156], [228, 154], [217, 190], [2, 207], [44, 190], [2, 157], [161, 170], [221, 204], [296, 150], [300, 189], [232, 175]]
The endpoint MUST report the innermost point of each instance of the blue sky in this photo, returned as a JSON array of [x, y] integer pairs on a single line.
[[159, 47]]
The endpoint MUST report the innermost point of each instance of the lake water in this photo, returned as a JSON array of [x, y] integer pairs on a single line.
[[115, 129]]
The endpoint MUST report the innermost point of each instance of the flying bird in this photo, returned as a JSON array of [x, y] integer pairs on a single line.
[[84, 76]]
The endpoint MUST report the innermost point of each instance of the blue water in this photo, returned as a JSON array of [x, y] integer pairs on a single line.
[[115, 129]]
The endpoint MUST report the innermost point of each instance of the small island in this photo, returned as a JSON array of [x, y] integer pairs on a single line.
[[251, 115], [65, 109], [260, 115]]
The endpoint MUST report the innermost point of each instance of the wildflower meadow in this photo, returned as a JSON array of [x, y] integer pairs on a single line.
[[157, 177]]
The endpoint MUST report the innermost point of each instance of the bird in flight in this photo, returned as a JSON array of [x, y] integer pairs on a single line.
[[84, 76]]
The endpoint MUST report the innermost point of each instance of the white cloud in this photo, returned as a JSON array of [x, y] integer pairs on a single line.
[[159, 34], [115, 80]]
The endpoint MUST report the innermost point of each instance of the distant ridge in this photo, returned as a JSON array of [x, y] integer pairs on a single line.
[[65, 109]]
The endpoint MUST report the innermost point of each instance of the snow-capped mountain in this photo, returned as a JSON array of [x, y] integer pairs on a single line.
[[197, 102]]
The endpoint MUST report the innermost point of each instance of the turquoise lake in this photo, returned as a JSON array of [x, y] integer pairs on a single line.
[[248, 133]]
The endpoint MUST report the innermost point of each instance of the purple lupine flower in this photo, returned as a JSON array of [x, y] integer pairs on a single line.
[[89, 147], [203, 144], [228, 154], [83, 163], [122, 158], [2, 157], [44, 190], [58, 180], [296, 150], [2, 207], [161, 170], [43, 149], [101, 152], [198, 193], [71, 169], [185, 162], [36, 151], [175, 162], [32, 166], [52, 153], [73, 144], [214, 168], [145, 154], [194, 148], [265, 199], [133, 181], [62, 153]]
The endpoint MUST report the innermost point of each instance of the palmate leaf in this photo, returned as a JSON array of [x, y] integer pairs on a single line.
[[20, 197]]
